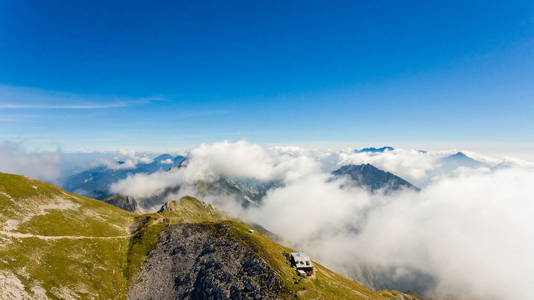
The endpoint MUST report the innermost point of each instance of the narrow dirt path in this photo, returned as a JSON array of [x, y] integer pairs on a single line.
[[58, 237]]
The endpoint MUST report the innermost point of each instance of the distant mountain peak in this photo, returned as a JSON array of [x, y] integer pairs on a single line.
[[371, 177], [459, 155], [461, 159], [375, 150]]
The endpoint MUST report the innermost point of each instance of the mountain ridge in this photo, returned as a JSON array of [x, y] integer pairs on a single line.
[[118, 251], [95, 183]]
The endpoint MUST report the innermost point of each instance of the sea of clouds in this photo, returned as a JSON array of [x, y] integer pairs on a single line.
[[468, 232]]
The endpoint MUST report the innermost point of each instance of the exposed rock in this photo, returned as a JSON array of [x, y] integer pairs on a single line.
[[196, 261], [11, 287]]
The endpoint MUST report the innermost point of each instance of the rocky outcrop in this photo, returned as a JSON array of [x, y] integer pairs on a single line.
[[202, 261]]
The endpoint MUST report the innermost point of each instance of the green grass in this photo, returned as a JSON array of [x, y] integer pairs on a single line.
[[104, 268], [90, 268], [86, 267], [144, 240], [52, 211], [69, 223], [20, 187], [191, 210]]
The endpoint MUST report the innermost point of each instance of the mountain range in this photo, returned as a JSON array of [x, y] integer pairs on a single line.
[[59, 245], [248, 191], [95, 182], [245, 191]]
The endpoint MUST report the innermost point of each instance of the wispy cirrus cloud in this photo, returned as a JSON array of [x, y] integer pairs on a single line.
[[81, 106], [14, 97]]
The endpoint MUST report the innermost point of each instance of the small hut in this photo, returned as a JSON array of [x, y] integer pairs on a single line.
[[302, 263]]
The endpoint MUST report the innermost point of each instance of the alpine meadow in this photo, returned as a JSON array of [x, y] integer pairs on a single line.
[[267, 150]]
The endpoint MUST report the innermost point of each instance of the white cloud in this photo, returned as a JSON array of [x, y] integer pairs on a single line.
[[147, 160], [310, 207], [123, 160], [209, 161], [167, 161], [234, 159], [146, 185], [468, 229], [242, 159], [39, 165], [471, 232]]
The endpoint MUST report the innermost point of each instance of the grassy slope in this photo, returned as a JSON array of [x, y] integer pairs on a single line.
[[86, 267], [103, 267], [44, 209]]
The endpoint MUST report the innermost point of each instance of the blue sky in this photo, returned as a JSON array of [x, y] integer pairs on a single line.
[[97, 75]]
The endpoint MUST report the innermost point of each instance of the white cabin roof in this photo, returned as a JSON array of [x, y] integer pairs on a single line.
[[302, 260]]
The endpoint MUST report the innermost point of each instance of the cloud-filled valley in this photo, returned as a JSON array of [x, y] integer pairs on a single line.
[[466, 232]]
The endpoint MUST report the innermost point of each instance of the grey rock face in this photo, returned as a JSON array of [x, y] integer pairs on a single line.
[[194, 261]]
